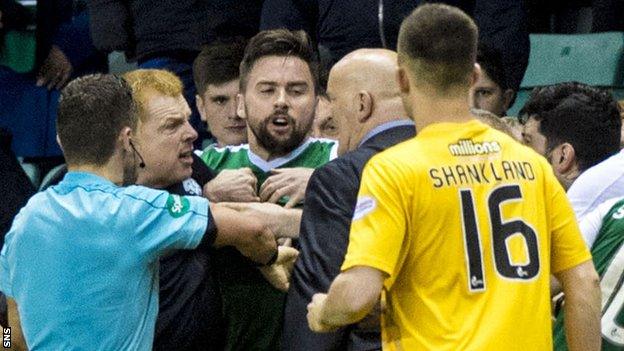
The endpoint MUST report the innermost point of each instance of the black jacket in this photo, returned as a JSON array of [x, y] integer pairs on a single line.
[[152, 28], [343, 26], [324, 236]]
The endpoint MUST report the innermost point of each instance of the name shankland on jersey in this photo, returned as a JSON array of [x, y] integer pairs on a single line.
[[467, 147]]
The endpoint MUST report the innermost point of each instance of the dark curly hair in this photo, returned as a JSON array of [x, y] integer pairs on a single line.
[[585, 116]]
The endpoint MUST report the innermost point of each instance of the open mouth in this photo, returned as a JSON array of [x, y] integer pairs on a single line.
[[280, 123], [187, 156]]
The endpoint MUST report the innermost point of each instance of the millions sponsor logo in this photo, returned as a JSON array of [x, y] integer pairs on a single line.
[[467, 147]]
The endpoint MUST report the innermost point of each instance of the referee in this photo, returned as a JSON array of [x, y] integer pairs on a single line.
[[81, 260]]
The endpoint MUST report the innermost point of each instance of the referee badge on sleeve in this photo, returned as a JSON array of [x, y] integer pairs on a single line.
[[177, 205], [364, 206]]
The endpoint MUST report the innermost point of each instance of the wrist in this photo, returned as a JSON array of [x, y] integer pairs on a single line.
[[272, 260]]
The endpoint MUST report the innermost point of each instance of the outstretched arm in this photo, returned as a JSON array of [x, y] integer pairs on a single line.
[[353, 295], [251, 234], [581, 287], [285, 222]]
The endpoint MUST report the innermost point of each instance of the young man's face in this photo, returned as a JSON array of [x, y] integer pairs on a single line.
[[217, 106], [165, 140], [325, 125], [278, 103], [487, 95], [532, 137]]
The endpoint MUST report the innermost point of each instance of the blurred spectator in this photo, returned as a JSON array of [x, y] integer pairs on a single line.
[[492, 91], [340, 27], [577, 127], [169, 34], [576, 16], [13, 16], [29, 100]]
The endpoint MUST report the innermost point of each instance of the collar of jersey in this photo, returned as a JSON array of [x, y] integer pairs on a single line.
[[435, 129], [78, 177], [266, 166]]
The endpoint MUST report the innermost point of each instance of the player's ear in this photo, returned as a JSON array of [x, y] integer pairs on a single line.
[[508, 96], [475, 75], [403, 81], [364, 105], [125, 138], [566, 158], [199, 103], [58, 140]]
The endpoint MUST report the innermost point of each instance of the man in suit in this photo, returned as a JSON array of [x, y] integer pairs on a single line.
[[366, 106]]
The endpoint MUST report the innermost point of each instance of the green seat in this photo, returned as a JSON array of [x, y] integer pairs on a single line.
[[596, 59], [18, 51]]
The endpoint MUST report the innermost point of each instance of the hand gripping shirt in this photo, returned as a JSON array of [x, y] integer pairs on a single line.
[[81, 261], [468, 225], [253, 308]]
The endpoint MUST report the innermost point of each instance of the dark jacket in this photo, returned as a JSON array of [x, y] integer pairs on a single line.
[[152, 28], [324, 236], [190, 312], [346, 25]]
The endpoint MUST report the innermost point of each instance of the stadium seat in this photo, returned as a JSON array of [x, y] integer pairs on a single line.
[[596, 59], [18, 51], [53, 177]]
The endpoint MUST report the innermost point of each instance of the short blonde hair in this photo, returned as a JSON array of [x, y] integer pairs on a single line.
[[146, 82], [507, 125]]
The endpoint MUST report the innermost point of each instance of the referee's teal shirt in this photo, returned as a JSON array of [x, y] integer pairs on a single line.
[[81, 261]]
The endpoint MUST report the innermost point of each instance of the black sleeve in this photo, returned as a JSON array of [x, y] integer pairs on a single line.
[[201, 172], [50, 15], [15, 185], [324, 236], [14, 15], [210, 235]]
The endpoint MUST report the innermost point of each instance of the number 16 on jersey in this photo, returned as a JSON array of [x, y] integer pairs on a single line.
[[501, 232]]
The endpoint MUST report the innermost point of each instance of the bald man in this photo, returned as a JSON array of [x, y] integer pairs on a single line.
[[366, 105]]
